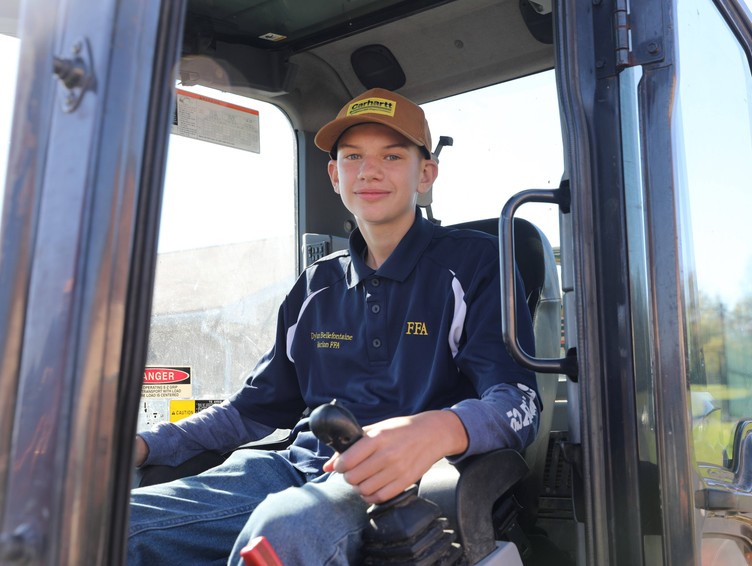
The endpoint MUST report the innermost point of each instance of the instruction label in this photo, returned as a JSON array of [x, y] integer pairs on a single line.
[[181, 408], [203, 118], [167, 381]]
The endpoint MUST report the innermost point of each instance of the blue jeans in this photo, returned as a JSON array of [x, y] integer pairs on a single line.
[[209, 518]]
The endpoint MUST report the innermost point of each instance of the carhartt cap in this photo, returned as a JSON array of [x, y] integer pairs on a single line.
[[382, 107]]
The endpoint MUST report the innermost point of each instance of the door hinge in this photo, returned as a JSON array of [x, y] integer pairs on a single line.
[[628, 34], [622, 45]]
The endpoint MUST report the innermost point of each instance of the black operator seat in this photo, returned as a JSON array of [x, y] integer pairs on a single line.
[[537, 266]]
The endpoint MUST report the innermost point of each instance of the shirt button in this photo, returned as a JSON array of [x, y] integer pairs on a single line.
[[376, 343], [375, 309], [375, 282]]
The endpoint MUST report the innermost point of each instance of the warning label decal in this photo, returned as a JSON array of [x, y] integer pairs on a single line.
[[181, 408], [167, 381], [208, 119]]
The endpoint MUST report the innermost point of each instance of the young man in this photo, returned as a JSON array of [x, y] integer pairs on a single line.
[[403, 329]]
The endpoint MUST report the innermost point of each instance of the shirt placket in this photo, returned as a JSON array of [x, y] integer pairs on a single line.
[[376, 331]]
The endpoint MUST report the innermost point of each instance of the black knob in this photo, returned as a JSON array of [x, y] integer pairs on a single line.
[[335, 426]]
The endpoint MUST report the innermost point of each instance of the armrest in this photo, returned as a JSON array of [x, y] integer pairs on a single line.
[[467, 495]]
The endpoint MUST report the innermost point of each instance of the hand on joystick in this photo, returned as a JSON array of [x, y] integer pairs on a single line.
[[407, 529]]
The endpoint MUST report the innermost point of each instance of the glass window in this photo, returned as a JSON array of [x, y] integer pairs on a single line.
[[8, 69], [506, 139], [227, 250], [714, 168]]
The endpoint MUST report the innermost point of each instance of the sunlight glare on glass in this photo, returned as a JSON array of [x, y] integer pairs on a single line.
[[507, 138], [8, 70], [217, 195]]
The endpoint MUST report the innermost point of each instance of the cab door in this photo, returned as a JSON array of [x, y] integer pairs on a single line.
[[712, 167], [82, 203], [656, 103], [686, 129]]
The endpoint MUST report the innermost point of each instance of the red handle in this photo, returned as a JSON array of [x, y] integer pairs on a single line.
[[259, 552]]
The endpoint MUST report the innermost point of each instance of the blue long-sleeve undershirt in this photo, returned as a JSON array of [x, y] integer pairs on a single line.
[[505, 417]]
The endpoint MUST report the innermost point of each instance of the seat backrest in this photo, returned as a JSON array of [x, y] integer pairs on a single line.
[[537, 266]]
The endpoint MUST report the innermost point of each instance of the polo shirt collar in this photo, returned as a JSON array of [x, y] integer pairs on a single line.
[[403, 260]]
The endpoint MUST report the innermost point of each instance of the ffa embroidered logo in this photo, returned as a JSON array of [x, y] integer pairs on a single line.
[[418, 328]]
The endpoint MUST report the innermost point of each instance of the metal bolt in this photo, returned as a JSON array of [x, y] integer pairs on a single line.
[[653, 48], [71, 73], [75, 74]]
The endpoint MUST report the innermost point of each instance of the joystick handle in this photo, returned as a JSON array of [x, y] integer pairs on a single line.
[[335, 426], [407, 529]]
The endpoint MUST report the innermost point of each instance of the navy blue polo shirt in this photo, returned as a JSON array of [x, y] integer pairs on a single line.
[[422, 332]]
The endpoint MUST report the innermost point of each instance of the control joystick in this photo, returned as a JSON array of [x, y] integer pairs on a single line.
[[407, 529]]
